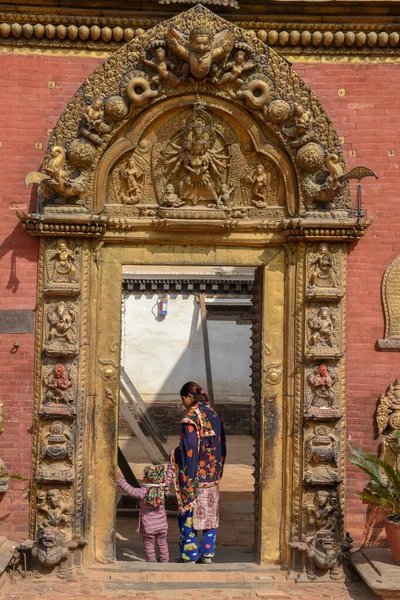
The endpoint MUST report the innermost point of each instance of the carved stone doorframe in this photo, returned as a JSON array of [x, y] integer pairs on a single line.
[[180, 153]]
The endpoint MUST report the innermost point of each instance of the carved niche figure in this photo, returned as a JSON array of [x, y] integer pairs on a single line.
[[58, 381], [132, 178], [195, 161], [260, 182], [323, 271], [224, 198], [56, 453], [170, 198], [322, 325], [160, 64], [388, 418], [321, 453], [50, 550], [94, 122], [321, 399], [201, 50], [61, 263], [324, 554], [61, 318], [320, 512], [54, 508], [234, 69]]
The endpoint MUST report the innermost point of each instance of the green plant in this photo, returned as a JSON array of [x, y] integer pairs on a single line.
[[384, 487]]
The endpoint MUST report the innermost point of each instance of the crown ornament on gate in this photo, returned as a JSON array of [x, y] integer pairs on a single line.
[[224, 3]]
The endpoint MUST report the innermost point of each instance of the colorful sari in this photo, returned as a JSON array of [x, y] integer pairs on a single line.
[[198, 461]]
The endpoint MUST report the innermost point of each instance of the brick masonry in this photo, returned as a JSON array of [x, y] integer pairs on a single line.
[[363, 101]]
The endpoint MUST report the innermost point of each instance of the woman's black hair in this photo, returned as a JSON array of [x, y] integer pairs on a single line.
[[196, 390]]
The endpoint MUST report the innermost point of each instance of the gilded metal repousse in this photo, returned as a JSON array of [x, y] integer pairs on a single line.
[[388, 421], [391, 305], [198, 139]]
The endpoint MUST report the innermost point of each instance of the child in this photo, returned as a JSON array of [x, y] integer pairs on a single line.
[[153, 524]]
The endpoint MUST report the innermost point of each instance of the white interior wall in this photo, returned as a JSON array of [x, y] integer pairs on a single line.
[[161, 355]]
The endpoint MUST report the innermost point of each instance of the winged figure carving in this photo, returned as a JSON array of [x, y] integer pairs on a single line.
[[201, 49]]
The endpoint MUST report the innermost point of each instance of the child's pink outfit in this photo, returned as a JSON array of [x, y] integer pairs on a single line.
[[153, 524]]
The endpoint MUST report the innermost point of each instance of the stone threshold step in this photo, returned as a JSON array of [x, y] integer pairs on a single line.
[[266, 590], [144, 567], [190, 576]]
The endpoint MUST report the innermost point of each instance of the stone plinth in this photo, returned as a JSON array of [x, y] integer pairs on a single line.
[[379, 571]]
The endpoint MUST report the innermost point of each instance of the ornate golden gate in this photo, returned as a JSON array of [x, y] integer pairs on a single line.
[[195, 144]]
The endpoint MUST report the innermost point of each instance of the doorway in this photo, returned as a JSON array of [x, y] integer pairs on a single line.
[[160, 352]]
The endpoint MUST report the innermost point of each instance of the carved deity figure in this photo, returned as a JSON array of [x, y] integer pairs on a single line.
[[234, 69], [300, 130], [50, 549], [54, 507], [224, 198], [133, 179], [170, 198], [63, 261], [160, 64], [388, 418], [323, 269], [321, 381], [57, 444], [95, 126], [320, 512], [322, 325], [58, 382], [199, 163], [61, 318], [260, 181], [201, 50], [321, 453]]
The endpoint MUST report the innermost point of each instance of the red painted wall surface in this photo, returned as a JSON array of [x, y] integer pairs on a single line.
[[366, 114]]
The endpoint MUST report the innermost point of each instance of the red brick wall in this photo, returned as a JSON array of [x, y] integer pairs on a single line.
[[366, 116], [28, 109]]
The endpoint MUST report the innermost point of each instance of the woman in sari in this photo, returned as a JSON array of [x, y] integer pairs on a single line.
[[197, 465]]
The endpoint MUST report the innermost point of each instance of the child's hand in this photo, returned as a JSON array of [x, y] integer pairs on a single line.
[[119, 474]]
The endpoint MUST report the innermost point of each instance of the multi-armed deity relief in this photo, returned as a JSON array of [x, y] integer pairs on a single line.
[[388, 420], [198, 54]]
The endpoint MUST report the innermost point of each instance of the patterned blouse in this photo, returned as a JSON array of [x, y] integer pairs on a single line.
[[152, 519], [199, 459]]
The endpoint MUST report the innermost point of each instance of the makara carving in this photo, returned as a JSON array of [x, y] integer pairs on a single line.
[[388, 420], [321, 400], [56, 453], [391, 305], [321, 457]]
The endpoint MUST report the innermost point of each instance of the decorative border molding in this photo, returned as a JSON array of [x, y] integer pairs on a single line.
[[107, 34]]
